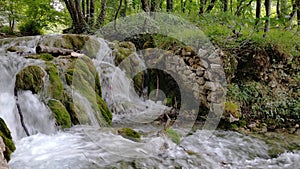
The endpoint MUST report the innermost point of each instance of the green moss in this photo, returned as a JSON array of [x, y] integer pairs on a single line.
[[60, 113], [75, 42], [173, 135], [105, 112], [86, 80], [30, 78], [7, 139], [130, 134], [55, 89], [46, 56], [43, 56]]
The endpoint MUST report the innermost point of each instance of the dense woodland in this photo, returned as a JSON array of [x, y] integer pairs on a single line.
[[85, 16], [259, 39]]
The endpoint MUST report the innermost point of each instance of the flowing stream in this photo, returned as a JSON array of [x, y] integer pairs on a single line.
[[92, 146]]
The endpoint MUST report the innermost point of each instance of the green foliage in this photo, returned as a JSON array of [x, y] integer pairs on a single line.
[[173, 135], [60, 113], [30, 28]]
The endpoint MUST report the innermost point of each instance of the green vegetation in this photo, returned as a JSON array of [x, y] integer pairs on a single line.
[[60, 113], [30, 78], [130, 134], [173, 135], [6, 136]]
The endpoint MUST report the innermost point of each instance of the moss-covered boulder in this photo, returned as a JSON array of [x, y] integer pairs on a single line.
[[130, 134], [6, 136], [60, 113], [84, 78], [30, 78], [55, 88]]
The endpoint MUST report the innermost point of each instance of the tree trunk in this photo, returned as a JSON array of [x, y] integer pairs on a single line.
[[225, 5], [101, 17], [211, 6], [145, 5], [298, 13], [268, 14], [278, 12], [258, 12], [153, 6], [124, 9], [83, 8], [202, 6], [169, 5], [87, 18], [92, 13]]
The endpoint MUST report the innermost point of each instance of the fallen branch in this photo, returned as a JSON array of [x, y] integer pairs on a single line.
[[52, 50]]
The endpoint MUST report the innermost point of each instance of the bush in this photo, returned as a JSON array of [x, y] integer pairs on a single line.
[[30, 28]]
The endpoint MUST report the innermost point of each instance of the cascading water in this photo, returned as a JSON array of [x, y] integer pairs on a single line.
[[85, 146]]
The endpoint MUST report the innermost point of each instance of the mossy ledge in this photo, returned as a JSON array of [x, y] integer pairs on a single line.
[[6, 136]]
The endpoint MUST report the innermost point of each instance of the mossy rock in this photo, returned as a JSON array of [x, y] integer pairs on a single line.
[[130, 134], [30, 78], [173, 135], [60, 113], [84, 78], [76, 42], [6, 136], [55, 89]]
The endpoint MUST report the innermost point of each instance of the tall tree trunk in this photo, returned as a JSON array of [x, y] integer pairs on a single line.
[[278, 12], [225, 5], [153, 7], [298, 13], [83, 8], [169, 5], [145, 5], [87, 18], [202, 6], [124, 9], [117, 13], [92, 13], [78, 20], [268, 14], [211, 6], [101, 17], [258, 12]]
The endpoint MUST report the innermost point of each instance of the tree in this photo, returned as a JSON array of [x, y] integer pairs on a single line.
[[169, 5], [258, 11], [268, 5], [145, 5]]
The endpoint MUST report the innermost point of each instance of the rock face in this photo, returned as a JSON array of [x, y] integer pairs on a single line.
[[3, 162]]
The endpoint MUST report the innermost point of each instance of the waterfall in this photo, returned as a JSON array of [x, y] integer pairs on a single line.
[[118, 91]]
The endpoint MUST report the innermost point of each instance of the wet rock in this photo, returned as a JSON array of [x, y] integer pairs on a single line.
[[3, 162], [30, 78]]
